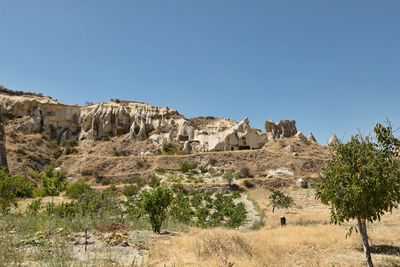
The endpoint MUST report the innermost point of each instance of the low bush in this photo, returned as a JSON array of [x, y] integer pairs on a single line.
[[130, 190], [229, 176], [248, 184], [244, 172], [72, 142], [203, 169], [154, 181], [159, 170], [168, 148], [136, 180], [77, 189], [52, 182], [34, 207], [187, 166]]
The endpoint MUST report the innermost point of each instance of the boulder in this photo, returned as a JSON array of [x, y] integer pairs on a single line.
[[283, 171], [302, 183], [288, 149]]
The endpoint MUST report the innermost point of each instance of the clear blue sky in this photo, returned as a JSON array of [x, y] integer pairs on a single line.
[[333, 66]]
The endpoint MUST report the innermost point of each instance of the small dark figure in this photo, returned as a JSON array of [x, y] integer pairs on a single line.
[[283, 221]]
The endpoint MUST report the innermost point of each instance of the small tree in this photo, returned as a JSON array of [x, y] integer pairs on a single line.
[[155, 203], [229, 176], [362, 181], [279, 200], [8, 194]]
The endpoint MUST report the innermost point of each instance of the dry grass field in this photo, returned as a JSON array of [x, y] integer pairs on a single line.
[[307, 240]]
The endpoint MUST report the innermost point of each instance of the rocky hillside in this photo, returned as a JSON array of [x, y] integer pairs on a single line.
[[120, 139]]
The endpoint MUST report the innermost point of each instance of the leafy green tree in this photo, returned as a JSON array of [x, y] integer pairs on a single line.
[[8, 192], [362, 181], [156, 203], [278, 199]]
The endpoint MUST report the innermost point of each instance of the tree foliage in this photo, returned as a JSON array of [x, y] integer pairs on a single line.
[[362, 181], [156, 203], [52, 182], [279, 200]]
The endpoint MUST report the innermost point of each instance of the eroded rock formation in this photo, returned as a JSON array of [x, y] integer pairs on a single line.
[[136, 120], [284, 128]]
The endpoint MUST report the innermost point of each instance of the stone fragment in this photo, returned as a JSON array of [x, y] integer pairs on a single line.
[[302, 183]]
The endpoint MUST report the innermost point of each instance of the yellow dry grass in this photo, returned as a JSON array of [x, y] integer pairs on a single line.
[[307, 240]]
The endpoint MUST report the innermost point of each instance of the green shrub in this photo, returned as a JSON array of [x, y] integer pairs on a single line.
[[77, 189], [23, 187], [244, 172], [177, 187], [236, 194], [34, 207], [181, 209], [159, 170], [112, 190], [187, 166], [65, 209], [52, 182], [237, 216], [56, 153], [247, 183], [130, 190], [99, 203], [168, 148], [154, 181], [72, 142], [156, 203], [136, 180], [88, 172], [8, 194], [104, 180], [203, 169]]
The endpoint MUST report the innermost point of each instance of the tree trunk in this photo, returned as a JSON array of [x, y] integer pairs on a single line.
[[3, 155], [362, 226]]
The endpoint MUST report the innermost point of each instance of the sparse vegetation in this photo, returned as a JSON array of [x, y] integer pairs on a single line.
[[187, 166], [229, 176]]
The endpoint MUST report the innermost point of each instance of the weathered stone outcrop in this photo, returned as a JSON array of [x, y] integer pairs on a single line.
[[139, 121], [333, 141], [300, 137], [88, 122], [311, 138], [237, 137], [284, 128]]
